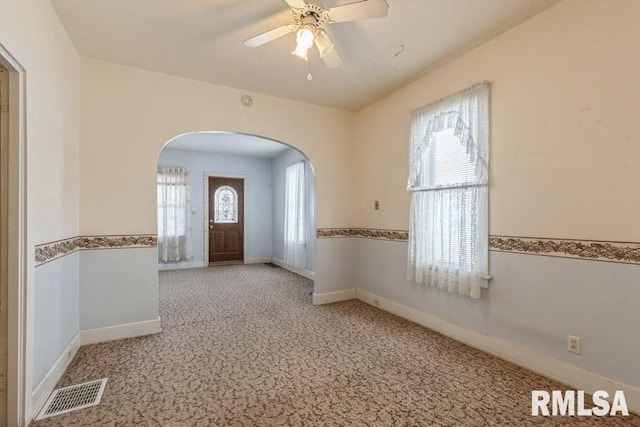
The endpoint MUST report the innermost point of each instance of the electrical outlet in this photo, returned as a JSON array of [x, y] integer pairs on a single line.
[[574, 344]]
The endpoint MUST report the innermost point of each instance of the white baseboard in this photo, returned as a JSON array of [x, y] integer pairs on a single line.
[[118, 332], [573, 376], [337, 296], [180, 265], [262, 260], [47, 384], [302, 272], [201, 264]]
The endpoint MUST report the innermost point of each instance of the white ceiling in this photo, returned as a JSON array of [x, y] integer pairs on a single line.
[[227, 143], [203, 40]]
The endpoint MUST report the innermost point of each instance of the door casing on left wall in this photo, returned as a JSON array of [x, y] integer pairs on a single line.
[[4, 227], [19, 302]]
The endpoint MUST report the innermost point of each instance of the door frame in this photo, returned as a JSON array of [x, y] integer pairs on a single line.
[[205, 213], [19, 294]]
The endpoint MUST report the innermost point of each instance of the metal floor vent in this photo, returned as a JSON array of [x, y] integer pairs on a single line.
[[72, 398]]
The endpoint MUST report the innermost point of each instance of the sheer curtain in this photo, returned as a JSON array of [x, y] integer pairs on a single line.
[[448, 178], [294, 216], [174, 214]]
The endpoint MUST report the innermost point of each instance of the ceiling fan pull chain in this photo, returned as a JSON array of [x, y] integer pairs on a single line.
[[309, 76]]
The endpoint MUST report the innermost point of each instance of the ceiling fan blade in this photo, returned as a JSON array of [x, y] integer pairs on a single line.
[[363, 9], [297, 4], [270, 35]]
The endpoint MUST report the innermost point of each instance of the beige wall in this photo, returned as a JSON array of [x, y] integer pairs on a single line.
[[31, 32], [565, 128], [129, 114]]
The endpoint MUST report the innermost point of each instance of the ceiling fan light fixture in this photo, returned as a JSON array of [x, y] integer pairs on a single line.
[[304, 41], [323, 43]]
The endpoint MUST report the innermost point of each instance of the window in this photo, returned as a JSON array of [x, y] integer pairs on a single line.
[[294, 216], [174, 214], [226, 205], [449, 163]]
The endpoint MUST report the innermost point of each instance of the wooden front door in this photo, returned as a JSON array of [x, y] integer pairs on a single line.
[[226, 221]]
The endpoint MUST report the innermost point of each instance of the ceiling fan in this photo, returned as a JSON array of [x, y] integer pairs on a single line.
[[308, 20]]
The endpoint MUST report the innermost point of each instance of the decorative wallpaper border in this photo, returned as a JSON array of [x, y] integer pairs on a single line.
[[366, 233], [53, 250], [621, 252], [49, 251]]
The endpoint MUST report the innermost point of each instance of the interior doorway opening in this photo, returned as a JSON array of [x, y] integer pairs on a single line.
[[238, 204]]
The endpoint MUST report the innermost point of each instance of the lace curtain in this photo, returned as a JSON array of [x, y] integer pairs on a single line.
[[448, 179], [174, 214], [294, 216]]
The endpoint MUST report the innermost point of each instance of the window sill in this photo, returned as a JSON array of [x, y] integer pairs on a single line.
[[485, 281]]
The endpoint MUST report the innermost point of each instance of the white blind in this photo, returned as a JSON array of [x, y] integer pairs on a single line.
[[450, 162]]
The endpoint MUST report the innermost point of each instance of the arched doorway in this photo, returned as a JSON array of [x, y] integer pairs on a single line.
[[249, 178]]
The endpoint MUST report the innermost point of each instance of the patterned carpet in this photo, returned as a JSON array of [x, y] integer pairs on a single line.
[[243, 346]]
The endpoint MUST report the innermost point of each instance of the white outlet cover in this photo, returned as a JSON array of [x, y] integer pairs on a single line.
[[574, 344]]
